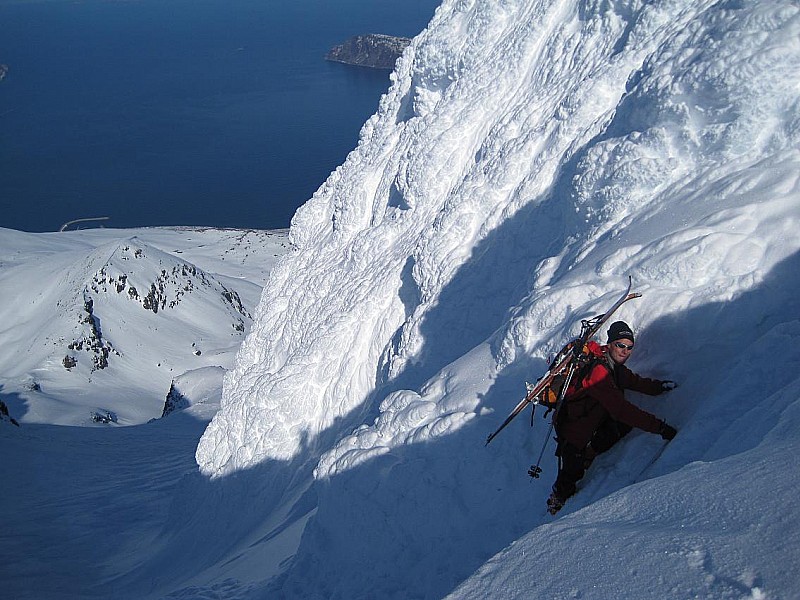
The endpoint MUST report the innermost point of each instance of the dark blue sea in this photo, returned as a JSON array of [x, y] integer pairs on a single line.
[[181, 112]]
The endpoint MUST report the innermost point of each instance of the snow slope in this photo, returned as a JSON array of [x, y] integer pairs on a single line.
[[529, 157], [84, 313]]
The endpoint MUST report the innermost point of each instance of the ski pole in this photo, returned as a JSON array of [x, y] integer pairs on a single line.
[[536, 470]]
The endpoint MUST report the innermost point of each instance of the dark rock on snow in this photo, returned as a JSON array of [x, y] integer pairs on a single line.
[[5, 416]]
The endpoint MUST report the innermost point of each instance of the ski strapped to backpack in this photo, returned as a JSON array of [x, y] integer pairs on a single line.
[[551, 387], [585, 357]]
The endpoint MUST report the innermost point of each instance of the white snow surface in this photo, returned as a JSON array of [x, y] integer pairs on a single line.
[[528, 158], [132, 309]]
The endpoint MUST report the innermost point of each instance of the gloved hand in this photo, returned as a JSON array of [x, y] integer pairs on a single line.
[[668, 385], [667, 432]]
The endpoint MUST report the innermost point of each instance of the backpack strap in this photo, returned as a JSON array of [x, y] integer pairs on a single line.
[[595, 356]]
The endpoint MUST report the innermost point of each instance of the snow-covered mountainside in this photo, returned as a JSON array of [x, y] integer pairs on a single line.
[[529, 156], [95, 318]]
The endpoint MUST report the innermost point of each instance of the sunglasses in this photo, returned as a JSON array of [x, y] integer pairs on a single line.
[[622, 346]]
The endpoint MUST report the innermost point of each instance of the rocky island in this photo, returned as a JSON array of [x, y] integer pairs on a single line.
[[374, 50]]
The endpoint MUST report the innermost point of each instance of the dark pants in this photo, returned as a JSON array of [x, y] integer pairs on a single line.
[[574, 461]]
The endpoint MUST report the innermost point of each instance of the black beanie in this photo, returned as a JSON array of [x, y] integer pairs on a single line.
[[619, 330]]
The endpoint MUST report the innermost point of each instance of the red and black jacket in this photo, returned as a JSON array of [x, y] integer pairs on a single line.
[[599, 395]]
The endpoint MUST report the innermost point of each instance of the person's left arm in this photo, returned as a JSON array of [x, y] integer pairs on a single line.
[[652, 387]]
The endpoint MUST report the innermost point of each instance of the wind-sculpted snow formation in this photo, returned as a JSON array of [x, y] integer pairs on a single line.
[[529, 156]]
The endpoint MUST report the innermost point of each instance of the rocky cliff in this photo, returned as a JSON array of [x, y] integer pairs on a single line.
[[372, 50]]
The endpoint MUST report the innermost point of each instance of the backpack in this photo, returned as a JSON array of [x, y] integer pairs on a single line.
[[590, 356]]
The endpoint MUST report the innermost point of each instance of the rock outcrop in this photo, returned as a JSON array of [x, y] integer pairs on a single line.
[[373, 50], [5, 416]]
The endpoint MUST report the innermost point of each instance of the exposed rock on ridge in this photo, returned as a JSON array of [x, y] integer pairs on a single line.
[[132, 272]]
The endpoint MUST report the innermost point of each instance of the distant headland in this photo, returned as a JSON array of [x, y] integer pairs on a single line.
[[373, 50]]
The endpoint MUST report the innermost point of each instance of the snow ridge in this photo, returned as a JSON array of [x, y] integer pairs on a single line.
[[93, 317]]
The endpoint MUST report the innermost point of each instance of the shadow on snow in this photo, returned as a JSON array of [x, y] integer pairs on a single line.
[[415, 522]]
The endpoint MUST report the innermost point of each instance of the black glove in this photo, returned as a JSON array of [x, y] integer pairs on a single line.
[[668, 385], [667, 432]]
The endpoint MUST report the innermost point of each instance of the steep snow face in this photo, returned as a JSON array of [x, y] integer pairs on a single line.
[[525, 148], [529, 156]]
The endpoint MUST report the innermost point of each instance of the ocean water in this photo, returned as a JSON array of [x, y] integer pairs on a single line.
[[181, 112]]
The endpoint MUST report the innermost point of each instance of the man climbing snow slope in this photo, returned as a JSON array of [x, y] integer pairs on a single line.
[[596, 414]]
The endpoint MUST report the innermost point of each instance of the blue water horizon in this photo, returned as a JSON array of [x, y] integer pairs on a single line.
[[181, 113]]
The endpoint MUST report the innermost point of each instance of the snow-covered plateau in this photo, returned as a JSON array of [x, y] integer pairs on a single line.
[[529, 157]]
